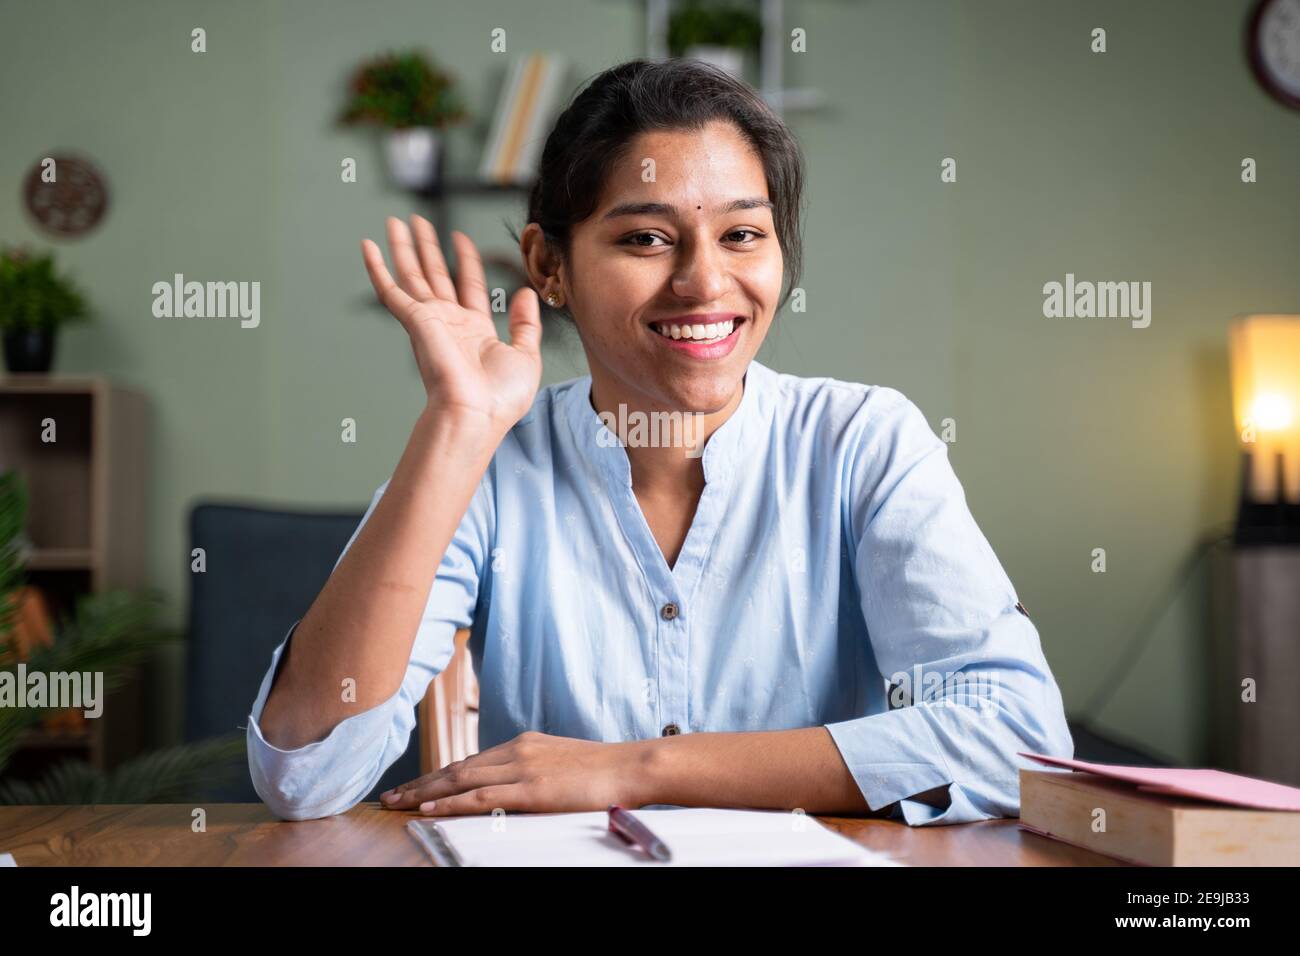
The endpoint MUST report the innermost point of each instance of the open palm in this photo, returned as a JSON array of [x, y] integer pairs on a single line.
[[463, 363]]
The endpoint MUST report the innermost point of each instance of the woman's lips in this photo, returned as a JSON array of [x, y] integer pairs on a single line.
[[710, 350]]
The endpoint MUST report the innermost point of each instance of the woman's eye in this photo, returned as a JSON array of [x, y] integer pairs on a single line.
[[651, 240], [635, 239]]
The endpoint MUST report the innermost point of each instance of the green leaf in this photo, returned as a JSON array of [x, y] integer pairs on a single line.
[[33, 296], [699, 23], [174, 775], [13, 518], [402, 90], [107, 633]]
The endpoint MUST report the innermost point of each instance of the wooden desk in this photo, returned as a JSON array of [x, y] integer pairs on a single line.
[[246, 834]]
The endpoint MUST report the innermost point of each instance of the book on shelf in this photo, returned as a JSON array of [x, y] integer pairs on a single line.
[[530, 100]]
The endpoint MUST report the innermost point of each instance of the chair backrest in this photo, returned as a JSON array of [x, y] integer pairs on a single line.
[[263, 569], [449, 712]]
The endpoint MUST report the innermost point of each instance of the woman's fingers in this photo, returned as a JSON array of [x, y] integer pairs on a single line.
[[498, 756], [390, 294], [508, 797], [409, 274], [470, 280], [440, 785], [431, 258], [526, 322], [493, 756]]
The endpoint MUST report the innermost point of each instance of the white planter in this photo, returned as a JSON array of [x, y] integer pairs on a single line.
[[726, 58], [412, 156]]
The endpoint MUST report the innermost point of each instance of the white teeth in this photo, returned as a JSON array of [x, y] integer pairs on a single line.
[[704, 333]]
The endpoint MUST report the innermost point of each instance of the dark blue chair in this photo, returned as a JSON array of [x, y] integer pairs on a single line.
[[264, 569]]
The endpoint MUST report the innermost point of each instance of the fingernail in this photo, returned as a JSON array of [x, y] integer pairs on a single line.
[[389, 797], [428, 805]]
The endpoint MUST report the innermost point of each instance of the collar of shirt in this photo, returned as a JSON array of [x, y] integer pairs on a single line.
[[735, 440], [742, 438]]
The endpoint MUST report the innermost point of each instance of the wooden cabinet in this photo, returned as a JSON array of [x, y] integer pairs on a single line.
[[86, 525]]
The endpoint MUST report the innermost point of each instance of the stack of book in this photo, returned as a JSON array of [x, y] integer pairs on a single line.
[[529, 102], [1163, 817]]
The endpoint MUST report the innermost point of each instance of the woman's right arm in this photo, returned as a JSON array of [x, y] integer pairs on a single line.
[[364, 623]]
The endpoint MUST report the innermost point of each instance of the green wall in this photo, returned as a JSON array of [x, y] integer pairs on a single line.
[[1071, 434]]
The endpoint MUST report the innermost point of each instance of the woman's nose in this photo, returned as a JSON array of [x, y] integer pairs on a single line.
[[701, 274]]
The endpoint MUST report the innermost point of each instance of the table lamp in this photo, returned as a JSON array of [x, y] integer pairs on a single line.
[[1265, 353]]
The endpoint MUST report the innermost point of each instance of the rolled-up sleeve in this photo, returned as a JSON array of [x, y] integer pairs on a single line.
[[968, 680], [332, 775]]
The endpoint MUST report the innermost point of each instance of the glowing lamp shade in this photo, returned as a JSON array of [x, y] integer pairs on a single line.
[[1265, 352]]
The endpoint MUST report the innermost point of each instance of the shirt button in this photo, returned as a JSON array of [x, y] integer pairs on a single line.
[[671, 731], [669, 611]]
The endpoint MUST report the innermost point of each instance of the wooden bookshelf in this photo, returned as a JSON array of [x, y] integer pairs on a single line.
[[86, 525]]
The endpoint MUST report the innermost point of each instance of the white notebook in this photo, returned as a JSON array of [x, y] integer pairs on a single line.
[[696, 837]]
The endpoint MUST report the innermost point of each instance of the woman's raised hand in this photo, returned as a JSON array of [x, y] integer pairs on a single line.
[[465, 366]]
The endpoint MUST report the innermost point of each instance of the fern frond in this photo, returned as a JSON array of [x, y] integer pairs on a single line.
[[13, 518], [107, 633], [174, 775]]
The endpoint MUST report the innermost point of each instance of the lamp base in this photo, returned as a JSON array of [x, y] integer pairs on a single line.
[[1267, 603], [1265, 523], [1262, 525]]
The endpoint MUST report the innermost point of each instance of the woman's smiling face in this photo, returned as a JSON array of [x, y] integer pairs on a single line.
[[696, 246]]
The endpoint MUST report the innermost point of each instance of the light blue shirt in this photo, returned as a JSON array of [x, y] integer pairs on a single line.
[[832, 576]]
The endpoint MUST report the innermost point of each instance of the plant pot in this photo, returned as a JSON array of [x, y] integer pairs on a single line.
[[29, 350], [729, 59], [413, 155]]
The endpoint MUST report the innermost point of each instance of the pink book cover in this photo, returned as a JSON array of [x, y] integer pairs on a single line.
[[1216, 786]]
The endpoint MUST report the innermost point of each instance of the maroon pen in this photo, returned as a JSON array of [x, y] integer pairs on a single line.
[[630, 829]]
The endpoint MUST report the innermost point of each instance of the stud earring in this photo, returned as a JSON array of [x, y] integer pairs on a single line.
[[552, 299]]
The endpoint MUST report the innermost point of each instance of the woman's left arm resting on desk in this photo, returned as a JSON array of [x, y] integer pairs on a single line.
[[542, 773], [945, 628], [771, 769]]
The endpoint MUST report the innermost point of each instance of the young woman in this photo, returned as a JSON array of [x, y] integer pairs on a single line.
[[804, 615]]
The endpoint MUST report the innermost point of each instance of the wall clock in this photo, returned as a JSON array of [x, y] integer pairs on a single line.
[[73, 203], [1273, 47]]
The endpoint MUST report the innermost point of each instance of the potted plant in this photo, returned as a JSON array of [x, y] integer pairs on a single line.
[[109, 632], [34, 303], [716, 32], [412, 100]]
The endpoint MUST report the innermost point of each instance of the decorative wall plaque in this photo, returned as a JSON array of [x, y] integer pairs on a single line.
[[66, 196]]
